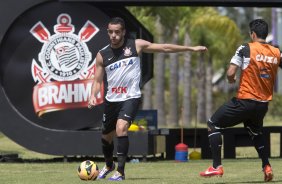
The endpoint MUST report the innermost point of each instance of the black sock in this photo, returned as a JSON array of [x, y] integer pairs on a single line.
[[122, 150], [259, 145], [216, 143], [108, 149]]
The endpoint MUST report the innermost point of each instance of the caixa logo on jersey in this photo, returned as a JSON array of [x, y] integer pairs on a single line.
[[62, 71]]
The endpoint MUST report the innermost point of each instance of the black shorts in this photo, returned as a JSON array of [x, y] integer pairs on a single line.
[[125, 110], [237, 111]]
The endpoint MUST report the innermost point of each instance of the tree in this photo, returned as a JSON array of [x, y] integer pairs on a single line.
[[160, 79], [170, 27], [185, 22], [187, 86], [221, 35], [205, 26], [173, 83]]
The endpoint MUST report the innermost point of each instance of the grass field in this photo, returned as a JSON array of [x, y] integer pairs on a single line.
[[163, 172], [37, 168]]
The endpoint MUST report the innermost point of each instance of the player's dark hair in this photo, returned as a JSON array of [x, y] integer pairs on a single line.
[[118, 20], [260, 27]]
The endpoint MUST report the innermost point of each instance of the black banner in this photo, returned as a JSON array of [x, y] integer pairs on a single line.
[[47, 63]]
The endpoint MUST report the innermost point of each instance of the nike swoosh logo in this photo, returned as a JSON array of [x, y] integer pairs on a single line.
[[208, 172], [86, 167], [212, 172], [110, 58], [126, 116]]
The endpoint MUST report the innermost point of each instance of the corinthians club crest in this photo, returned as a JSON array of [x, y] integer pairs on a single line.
[[63, 74]]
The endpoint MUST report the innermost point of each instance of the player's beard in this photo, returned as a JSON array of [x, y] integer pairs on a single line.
[[117, 42]]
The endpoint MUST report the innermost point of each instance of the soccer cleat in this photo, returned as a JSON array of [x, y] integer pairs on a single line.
[[105, 171], [268, 174], [117, 177], [212, 172]]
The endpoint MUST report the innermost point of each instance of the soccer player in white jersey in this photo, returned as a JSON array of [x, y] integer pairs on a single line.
[[120, 63]]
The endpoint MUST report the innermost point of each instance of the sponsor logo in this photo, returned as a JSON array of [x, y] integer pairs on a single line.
[[264, 73], [266, 76], [120, 64], [63, 72], [119, 90], [266, 59]]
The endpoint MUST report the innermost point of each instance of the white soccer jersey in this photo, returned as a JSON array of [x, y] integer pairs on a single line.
[[123, 72]]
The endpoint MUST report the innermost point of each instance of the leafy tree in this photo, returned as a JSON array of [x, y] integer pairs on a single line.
[[221, 35], [197, 26]]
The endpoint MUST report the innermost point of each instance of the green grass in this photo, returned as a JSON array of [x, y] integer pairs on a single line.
[[43, 171], [163, 172]]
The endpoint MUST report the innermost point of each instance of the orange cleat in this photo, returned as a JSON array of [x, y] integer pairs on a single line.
[[268, 174], [212, 172]]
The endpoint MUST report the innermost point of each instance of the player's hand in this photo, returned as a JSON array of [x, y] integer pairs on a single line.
[[200, 48], [92, 102], [233, 80]]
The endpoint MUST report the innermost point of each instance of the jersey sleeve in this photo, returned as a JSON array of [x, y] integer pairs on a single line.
[[241, 56]]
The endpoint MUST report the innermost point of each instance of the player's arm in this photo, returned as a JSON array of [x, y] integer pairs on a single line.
[[98, 80], [148, 47], [237, 61], [231, 73]]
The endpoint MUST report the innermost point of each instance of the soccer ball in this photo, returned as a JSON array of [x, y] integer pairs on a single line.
[[88, 170]]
